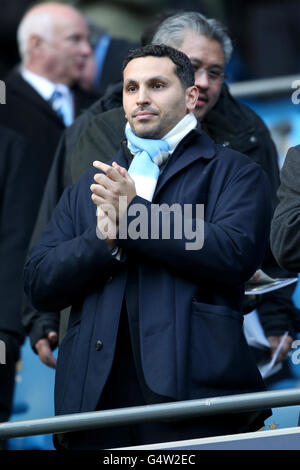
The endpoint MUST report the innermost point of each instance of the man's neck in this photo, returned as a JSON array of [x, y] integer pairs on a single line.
[[174, 136], [182, 128], [41, 72]]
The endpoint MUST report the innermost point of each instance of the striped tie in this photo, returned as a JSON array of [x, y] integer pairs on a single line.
[[56, 103]]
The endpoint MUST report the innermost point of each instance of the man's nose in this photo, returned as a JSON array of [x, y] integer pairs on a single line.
[[142, 96], [85, 47], [201, 79]]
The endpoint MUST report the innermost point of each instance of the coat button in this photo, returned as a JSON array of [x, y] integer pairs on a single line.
[[110, 279], [99, 345]]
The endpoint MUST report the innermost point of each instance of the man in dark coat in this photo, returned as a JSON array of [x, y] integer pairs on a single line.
[[225, 120], [53, 48], [50, 58], [17, 215], [30, 115], [162, 306]]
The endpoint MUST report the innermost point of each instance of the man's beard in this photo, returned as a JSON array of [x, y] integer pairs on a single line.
[[151, 134]]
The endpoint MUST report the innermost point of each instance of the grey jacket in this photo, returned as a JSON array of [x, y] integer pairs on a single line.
[[285, 233]]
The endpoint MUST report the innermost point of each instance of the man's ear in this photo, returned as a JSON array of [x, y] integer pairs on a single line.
[[191, 97], [34, 42]]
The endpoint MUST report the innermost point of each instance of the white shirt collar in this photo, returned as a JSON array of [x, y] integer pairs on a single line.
[[43, 86], [45, 89]]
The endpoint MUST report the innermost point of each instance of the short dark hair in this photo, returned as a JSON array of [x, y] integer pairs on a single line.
[[183, 67]]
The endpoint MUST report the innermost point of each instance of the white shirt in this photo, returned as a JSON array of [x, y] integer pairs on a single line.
[[45, 89]]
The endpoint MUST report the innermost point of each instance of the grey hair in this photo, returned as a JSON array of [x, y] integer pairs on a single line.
[[170, 31], [34, 22]]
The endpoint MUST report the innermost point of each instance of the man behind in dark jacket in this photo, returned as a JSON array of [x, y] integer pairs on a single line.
[[276, 310], [17, 216], [151, 308], [53, 41], [225, 120]]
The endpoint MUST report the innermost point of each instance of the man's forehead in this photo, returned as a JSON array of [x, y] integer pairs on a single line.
[[199, 48], [70, 24], [149, 67]]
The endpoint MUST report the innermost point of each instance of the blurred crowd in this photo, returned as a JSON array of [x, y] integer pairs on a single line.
[[265, 33]]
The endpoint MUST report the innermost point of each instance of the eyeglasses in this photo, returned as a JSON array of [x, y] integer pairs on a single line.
[[213, 75]]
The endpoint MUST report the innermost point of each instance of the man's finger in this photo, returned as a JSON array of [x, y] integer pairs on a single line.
[[100, 191], [109, 170], [50, 361], [101, 166], [53, 338], [120, 169], [123, 172], [45, 353], [97, 199]]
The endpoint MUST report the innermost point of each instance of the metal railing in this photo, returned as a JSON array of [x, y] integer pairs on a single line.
[[138, 414], [264, 87]]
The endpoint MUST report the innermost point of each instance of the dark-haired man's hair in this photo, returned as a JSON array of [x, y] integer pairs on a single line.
[[183, 67]]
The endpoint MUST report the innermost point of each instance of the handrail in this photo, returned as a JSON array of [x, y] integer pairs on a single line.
[[264, 87], [137, 414]]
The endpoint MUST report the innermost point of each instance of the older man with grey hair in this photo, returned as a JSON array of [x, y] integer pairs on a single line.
[[209, 48], [42, 98], [53, 43]]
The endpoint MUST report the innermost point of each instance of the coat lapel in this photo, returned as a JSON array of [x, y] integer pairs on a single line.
[[19, 86], [202, 147], [120, 159]]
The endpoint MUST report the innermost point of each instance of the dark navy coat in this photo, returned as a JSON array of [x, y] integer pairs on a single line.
[[190, 320]]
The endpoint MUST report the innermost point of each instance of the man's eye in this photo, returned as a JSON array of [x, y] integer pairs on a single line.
[[158, 85], [131, 89], [214, 73], [76, 38]]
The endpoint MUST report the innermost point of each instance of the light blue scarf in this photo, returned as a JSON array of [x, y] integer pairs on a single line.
[[149, 154]]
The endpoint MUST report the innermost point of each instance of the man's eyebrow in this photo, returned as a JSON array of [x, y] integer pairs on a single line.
[[129, 81], [155, 78], [158, 78], [196, 61]]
